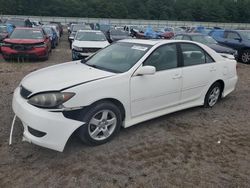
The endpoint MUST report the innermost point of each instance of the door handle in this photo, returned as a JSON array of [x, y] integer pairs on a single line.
[[177, 76]]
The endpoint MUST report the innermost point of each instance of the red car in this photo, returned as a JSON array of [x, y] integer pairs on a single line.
[[26, 43]]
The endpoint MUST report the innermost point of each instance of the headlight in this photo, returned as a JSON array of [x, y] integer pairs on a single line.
[[76, 48], [50, 100], [42, 45], [6, 44]]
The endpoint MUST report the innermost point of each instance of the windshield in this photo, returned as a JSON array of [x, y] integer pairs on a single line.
[[119, 57], [90, 36], [3, 29], [78, 27], [26, 34], [246, 34], [204, 39]]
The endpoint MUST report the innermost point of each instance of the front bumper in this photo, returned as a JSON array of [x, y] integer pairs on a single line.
[[32, 54], [58, 128], [76, 55]]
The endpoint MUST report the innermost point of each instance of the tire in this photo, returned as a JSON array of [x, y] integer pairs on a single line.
[[245, 56], [5, 58], [54, 44], [103, 122], [213, 95], [46, 57]]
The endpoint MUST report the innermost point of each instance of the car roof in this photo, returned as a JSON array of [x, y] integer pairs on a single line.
[[141, 41], [157, 41], [90, 31]]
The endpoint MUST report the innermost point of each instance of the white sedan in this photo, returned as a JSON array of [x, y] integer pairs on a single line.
[[126, 83], [87, 42]]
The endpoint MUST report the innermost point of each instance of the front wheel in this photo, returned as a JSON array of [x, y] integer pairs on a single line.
[[103, 122], [245, 56], [213, 95]]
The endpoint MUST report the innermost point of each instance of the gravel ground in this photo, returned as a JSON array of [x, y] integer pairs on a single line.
[[198, 147]]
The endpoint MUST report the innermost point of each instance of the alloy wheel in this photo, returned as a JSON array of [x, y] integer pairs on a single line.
[[102, 125], [214, 96], [245, 57]]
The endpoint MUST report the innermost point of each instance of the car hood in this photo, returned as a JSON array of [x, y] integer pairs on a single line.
[[62, 76], [221, 49], [90, 44], [24, 41]]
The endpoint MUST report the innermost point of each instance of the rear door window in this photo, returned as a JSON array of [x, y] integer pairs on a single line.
[[232, 36], [194, 55]]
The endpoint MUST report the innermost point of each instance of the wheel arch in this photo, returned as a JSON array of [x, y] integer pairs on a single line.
[[115, 102], [221, 82]]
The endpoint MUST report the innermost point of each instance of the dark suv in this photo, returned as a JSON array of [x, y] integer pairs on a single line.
[[236, 39]]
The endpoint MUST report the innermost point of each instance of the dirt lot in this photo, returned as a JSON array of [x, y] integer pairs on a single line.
[[193, 148]]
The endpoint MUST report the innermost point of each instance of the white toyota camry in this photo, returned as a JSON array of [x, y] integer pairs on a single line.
[[126, 83]]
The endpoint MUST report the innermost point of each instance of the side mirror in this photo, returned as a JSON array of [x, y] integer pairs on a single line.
[[145, 70]]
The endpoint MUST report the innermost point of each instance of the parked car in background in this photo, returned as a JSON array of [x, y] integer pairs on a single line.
[[199, 29], [36, 23], [174, 30], [75, 28], [5, 30], [236, 39], [209, 41], [59, 26], [56, 27], [87, 42], [117, 34], [124, 84], [26, 43], [104, 27], [19, 22], [132, 29], [70, 26], [50, 31]]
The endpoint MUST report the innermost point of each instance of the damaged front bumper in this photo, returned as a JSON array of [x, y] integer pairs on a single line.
[[42, 127]]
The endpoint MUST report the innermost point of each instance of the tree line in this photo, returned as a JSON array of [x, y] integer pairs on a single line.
[[190, 10]]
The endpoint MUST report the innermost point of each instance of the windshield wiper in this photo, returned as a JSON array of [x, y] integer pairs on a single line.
[[102, 68]]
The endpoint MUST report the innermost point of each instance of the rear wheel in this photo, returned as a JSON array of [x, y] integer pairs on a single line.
[[103, 122], [245, 56], [213, 95]]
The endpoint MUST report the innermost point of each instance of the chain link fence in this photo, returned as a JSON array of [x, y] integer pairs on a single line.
[[122, 22]]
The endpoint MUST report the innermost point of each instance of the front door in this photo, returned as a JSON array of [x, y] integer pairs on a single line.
[[150, 93]]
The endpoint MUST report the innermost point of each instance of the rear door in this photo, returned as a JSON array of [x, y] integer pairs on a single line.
[[198, 69]]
